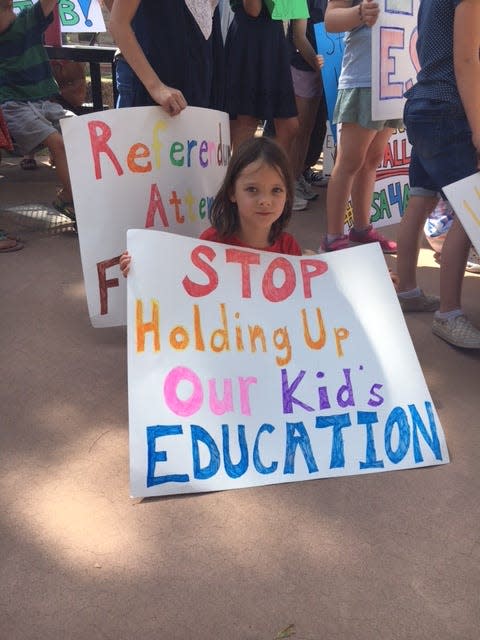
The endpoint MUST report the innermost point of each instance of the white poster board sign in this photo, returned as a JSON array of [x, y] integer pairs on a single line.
[[464, 196], [76, 16], [394, 57], [248, 368], [134, 168]]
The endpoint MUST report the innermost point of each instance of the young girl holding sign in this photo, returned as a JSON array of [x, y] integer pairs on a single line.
[[254, 204]]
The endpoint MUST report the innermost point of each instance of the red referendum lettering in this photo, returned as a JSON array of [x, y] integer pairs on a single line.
[[155, 204], [104, 284], [100, 133]]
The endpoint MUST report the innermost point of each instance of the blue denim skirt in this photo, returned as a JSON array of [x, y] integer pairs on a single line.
[[441, 139]]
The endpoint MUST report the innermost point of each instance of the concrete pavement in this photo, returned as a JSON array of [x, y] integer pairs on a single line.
[[393, 556]]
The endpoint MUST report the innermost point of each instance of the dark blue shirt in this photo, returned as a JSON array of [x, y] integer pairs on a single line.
[[436, 78]]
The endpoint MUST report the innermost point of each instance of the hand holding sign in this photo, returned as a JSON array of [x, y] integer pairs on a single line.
[[369, 12]]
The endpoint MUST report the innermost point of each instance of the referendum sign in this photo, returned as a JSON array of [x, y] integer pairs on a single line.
[[139, 168], [248, 368], [394, 57], [464, 196], [76, 16]]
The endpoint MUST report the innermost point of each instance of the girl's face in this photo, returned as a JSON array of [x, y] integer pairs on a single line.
[[260, 195]]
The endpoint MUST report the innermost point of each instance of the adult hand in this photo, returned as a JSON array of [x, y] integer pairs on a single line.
[[369, 11], [172, 100]]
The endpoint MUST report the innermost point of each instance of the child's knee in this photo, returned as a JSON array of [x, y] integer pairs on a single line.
[[55, 143]]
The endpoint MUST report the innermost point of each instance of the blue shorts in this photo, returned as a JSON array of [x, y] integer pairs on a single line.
[[442, 148]]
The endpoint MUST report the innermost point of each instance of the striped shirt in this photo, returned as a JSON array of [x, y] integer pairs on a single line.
[[25, 72]]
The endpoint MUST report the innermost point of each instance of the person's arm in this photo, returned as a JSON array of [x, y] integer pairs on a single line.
[[108, 4], [341, 16], [252, 7], [123, 11], [48, 6], [302, 43], [466, 45]]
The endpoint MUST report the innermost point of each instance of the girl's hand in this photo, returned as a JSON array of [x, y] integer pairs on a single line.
[[172, 100], [320, 61], [369, 12], [125, 260]]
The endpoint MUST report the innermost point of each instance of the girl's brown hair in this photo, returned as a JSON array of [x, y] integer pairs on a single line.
[[223, 215]]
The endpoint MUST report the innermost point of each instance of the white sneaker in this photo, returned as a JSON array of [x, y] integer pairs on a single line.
[[472, 267], [458, 331], [473, 264], [299, 203]]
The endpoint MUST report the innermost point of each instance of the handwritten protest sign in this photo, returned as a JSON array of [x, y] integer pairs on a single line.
[[134, 168], [394, 57], [248, 368], [464, 196], [76, 16]]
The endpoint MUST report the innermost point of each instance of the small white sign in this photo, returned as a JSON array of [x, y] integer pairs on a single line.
[[76, 16], [464, 196], [394, 57]]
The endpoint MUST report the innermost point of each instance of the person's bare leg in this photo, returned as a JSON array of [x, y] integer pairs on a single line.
[[452, 267], [351, 153], [55, 145], [363, 183], [408, 239], [286, 129], [242, 128], [307, 110]]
